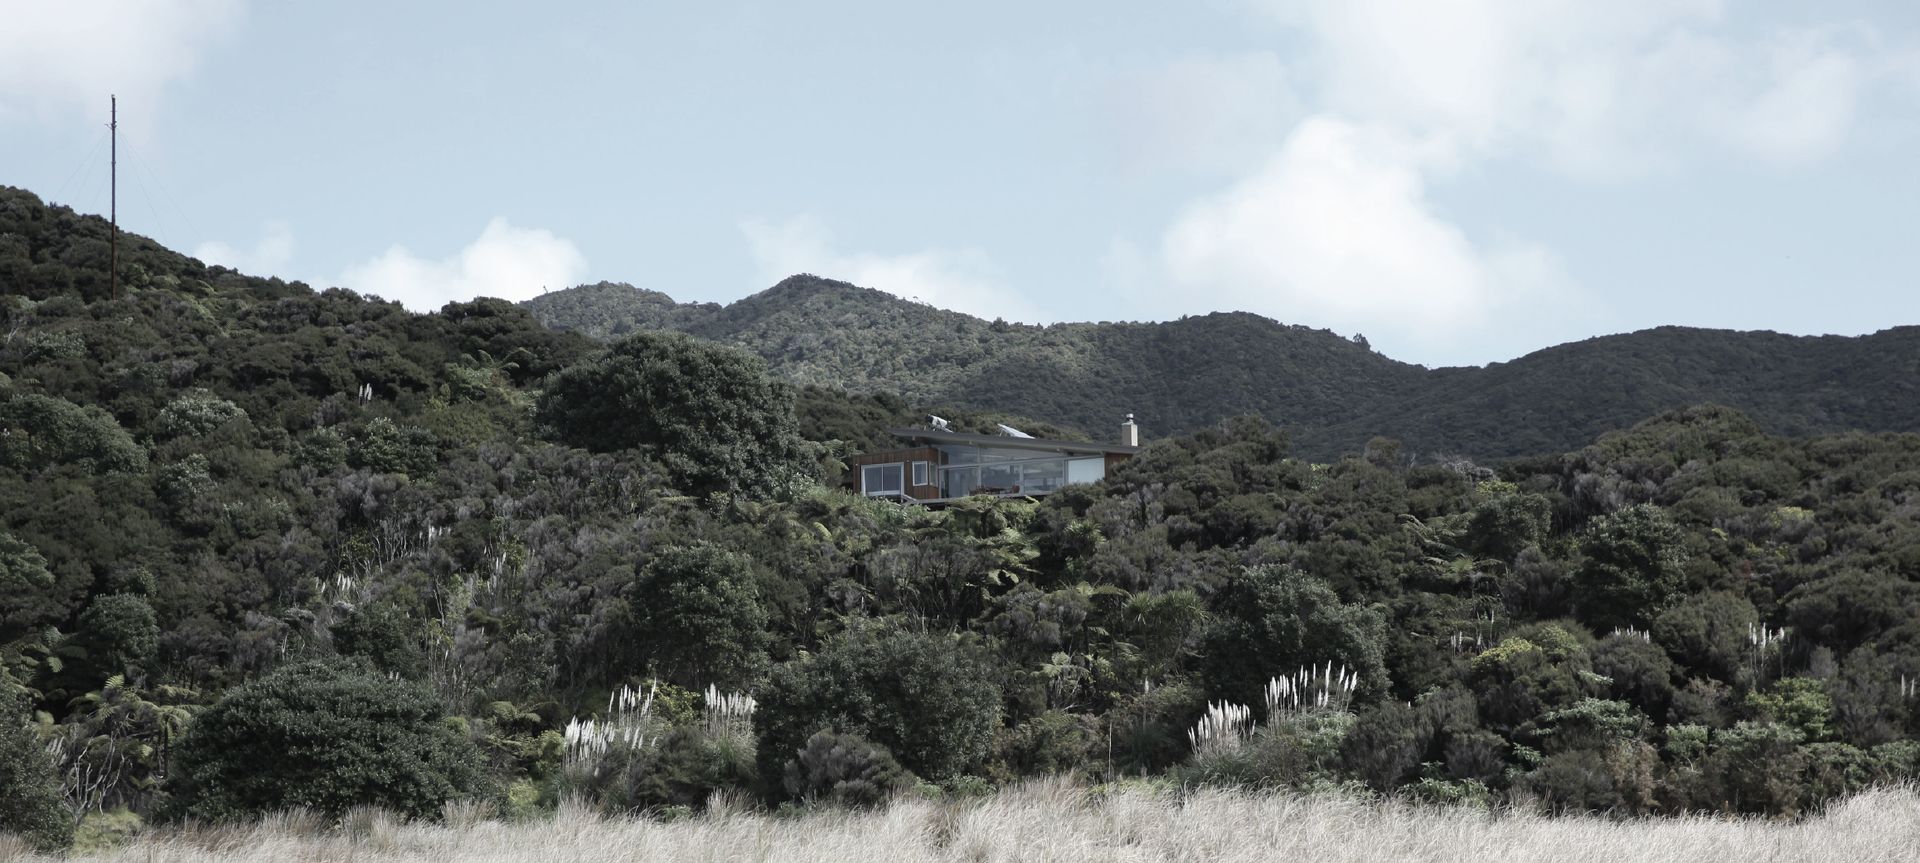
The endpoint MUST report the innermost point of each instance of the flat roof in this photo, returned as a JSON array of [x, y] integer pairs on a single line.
[[937, 437]]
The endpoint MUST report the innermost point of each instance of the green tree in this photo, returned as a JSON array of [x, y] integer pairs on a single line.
[[930, 699], [708, 413], [119, 632], [846, 769], [30, 803], [326, 736], [1273, 619], [1633, 567], [1708, 633], [25, 583], [698, 612], [39, 431]]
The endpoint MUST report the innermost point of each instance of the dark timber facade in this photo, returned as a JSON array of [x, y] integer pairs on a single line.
[[934, 467]]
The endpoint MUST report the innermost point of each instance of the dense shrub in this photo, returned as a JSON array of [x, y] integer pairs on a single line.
[[30, 801], [929, 699], [1286, 751], [326, 736], [1052, 743], [1275, 619], [846, 769], [39, 431], [709, 413], [698, 614]]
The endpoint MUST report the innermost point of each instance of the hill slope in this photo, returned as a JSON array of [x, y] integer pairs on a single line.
[[1331, 394]]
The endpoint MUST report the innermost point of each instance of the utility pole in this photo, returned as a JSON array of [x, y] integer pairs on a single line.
[[113, 194]]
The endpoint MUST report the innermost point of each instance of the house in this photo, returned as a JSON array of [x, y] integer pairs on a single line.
[[934, 466]]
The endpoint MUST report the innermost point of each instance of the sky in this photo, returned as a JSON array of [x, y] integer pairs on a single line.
[[1459, 181]]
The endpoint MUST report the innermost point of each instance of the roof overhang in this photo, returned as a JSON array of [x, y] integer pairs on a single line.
[[931, 437]]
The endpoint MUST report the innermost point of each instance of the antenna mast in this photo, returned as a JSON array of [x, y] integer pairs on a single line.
[[113, 194]]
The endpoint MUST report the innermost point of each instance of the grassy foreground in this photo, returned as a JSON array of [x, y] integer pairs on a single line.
[[1057, 821]]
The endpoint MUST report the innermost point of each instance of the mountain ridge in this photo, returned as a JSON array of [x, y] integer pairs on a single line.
[[1331, 393]]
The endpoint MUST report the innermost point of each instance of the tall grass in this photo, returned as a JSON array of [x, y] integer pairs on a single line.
[[1056, 821]]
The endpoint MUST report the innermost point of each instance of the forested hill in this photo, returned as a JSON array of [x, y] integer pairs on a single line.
[[1331, 394], [264, 548]]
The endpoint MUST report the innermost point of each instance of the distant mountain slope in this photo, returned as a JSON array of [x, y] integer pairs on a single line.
[[1331, 394]]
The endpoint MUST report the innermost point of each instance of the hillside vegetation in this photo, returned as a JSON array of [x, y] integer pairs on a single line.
[[1330, 394], [265, 548]]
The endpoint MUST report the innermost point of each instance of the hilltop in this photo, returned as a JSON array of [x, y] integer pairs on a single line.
[[1330, 393]]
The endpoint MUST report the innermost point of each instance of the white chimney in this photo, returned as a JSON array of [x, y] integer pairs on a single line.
[[1129, 432]]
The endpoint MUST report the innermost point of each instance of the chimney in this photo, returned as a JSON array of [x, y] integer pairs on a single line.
[[1129, 432]]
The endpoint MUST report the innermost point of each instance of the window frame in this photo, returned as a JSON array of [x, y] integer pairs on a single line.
[[922, 474], [866, 487]]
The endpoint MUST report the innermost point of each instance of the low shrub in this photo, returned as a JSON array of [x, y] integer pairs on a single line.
[[328, 736]]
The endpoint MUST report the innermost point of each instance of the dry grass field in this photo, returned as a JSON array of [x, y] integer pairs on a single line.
[[1059, 822]]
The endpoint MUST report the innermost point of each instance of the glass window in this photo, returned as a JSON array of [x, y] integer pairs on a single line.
[[880, 479], [919, 473], [1086, 470], [958, 481], [1043, 476]]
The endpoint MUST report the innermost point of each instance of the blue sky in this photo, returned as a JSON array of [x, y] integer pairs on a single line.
[[1461, 181]]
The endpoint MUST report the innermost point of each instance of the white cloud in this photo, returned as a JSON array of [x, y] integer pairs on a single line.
[[1337, 229], [1806, 108], [963, 281], [269, 256], [1596, 89], [1336, 223], [69, 55], [505, 262], [1208, 113]]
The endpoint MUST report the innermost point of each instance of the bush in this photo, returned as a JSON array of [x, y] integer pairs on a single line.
[[1052, 743], [326, 736], [680, 770], [120, 633], [709, 413], [30, 803], [846, 769], [1279, 618], [1291, 750], [42, 431], [1633, 569], [698, 611], [930, 699], [1618, 778]]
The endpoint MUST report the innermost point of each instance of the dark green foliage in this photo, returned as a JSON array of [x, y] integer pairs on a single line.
[[326, 736], [215, 477], [1617, 779], [1637, 671], [929, 699], [1849, 608], [1055, 742], [844, 769], [24, 584], [384, 636], [708, 413], [30, 803], [1708, 633], [120, 633], [697, 611], [43, 431], [1286, 751], [1632, 570], [1333, 394], [683, 767], [1276, 619]]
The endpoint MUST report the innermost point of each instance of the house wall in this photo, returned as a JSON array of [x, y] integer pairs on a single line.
[[906, 458]]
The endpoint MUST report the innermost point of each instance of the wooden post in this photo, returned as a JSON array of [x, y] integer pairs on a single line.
[[113, 195]]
